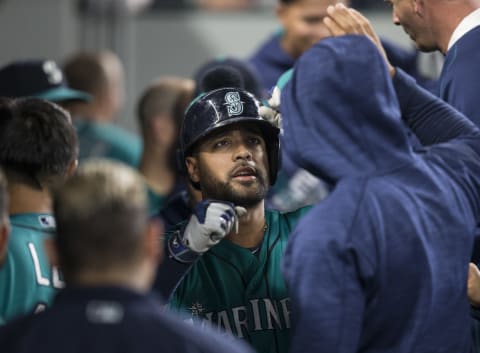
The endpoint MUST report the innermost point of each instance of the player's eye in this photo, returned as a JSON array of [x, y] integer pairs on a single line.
[[311, 20], [254, 140], [221, 143]]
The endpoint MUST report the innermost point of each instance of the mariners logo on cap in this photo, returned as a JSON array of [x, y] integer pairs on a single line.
[[233, 103], [54, 74]]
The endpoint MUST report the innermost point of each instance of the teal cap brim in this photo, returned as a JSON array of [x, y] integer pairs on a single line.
[[60, 94]]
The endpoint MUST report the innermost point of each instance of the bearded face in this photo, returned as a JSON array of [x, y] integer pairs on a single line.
[[231, 165]]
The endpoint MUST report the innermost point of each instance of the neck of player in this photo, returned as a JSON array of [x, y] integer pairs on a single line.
[[155, 167], [24, 199], [251, 227]]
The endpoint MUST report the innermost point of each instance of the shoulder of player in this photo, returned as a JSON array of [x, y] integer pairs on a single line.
[[288, 219]]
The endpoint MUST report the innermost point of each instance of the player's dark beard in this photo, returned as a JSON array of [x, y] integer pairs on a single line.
[[214, 189]]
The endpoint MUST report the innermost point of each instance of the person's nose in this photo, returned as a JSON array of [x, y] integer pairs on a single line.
[[242, 152]]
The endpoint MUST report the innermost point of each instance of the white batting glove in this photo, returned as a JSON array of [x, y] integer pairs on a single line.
[[271, 112], [211, 222]]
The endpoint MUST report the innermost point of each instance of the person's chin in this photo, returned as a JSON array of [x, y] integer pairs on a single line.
[[426, 48], [245, 188]]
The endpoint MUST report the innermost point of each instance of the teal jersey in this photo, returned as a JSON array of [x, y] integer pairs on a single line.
[[108, 140], [241, 291], [27, 281], [155, 201]]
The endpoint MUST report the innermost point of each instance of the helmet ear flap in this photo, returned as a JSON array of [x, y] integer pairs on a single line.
[[182, 168], [273, 151]]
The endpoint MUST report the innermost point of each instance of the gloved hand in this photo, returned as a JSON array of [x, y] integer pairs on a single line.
[[211, 222], [271, 112]]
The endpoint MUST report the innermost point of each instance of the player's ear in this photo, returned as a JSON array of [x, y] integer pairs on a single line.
[[72, 167], [192, 168], [418, 7], [52, 252]]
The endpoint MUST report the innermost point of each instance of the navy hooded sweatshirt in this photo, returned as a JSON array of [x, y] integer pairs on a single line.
[[381, 264]]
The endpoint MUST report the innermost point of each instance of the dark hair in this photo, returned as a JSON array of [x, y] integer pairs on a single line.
[[162, 96], [37, 139], [249, 78], [85, 72], [170, 95], [101, 215]]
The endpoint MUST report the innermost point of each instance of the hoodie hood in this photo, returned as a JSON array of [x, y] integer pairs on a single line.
[[274, 54], [271, 61], [341, 117]]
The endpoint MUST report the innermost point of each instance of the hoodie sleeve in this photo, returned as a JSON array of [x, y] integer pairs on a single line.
[[431, 119]]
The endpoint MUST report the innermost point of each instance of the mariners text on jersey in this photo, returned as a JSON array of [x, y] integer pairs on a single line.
[[257, 315]]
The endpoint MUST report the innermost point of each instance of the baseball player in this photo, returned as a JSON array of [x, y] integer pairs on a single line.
[[101, 74], [231, 155], [159, 126], [38, 151]]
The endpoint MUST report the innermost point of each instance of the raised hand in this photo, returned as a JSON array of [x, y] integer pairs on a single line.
[[211, 222], [342, 20], [473, 285]]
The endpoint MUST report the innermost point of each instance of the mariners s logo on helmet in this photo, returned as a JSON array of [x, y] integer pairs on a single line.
[[233, 103]]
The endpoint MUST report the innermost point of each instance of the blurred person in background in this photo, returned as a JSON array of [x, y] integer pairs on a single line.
[[302, 26], [101, 75], [160, 128], [40, 78]]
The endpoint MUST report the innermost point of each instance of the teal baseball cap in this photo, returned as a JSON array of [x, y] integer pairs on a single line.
[[37, 78]]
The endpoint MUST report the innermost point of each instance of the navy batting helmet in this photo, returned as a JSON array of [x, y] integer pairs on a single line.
[[223, 107]]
